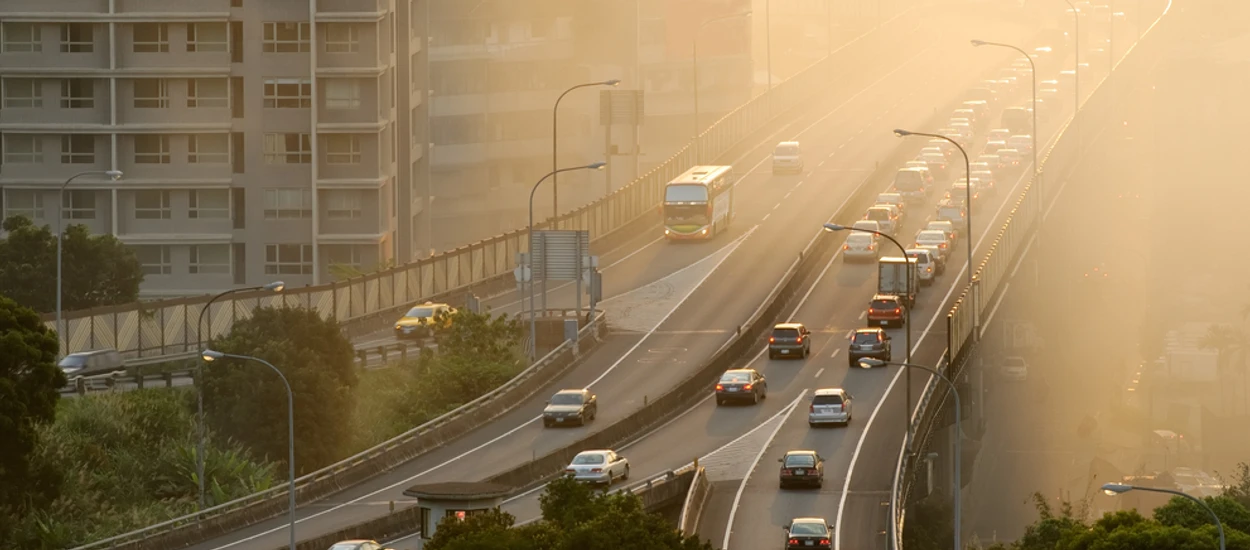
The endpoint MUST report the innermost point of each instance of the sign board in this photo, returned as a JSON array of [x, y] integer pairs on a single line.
[[557, 255]]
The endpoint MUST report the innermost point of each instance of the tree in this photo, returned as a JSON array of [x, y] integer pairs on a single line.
[[480, 337], [29, 389], [246, 401], [98, 270]]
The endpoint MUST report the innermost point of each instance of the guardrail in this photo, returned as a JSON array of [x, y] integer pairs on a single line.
[[193, 528], [696, 498], [1018, 229]]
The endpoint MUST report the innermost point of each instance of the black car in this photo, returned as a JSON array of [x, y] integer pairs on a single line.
[[869, 342], [809, 533], [789, 340], [741, 385], [802, 468], [570, 407]]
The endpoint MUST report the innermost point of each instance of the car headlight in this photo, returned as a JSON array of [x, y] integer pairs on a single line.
[[399, 327]]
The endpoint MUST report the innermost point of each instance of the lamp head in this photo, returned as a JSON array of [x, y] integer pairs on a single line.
[[869, 362], [275, 286], [596, 166], [114, 174], [612, 82], [1113, 489], [831, 227], [901, 132], [978, 42], [209, 355]]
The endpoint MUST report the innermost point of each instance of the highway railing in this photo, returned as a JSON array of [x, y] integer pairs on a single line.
[[1097, 112], [696, 498], [237, 514]]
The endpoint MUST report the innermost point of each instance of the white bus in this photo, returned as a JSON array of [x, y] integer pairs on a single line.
[[699, 203]]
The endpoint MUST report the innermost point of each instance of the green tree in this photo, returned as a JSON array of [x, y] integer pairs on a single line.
[[98, 270], [480, 337], [1186, 513], [247, 402], [29, 390]]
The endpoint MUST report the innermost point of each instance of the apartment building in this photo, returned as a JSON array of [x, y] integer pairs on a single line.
[[259, 139]]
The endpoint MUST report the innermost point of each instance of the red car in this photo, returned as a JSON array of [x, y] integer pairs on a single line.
[[886, 310]]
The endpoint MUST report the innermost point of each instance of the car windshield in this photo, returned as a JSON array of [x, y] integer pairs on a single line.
[[921, 257], [566, 399], [859, 239], [939, 226], [889, 198], [346, 546], [74, 361], [588, 459], [810, 529], [787, 151], [883, 304], [685, 193], [793, 461], [931, 235], [908, 180], [832, 399], [878, 214], [734, 377], [1013, 361], [863, 338], [785, 333], [420, 311]]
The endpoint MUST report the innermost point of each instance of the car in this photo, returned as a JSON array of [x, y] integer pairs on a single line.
[[801, 468], [984, 180], [1021, 142], [934, 237], [1050, 95], [957, 121], [89, 363], [1067, 78], [998, 134], [993, 146], [913, 182], [569, 407], [926, 265], [869, 226], [1015, 368], [884, 216], [941, 145], [994, 161], [869, 342], [830, 406], [951, 212], [790, 340], [934, 149], [598, 467], [962, 131], [741, 385], [420, 321], [952, 232], [936, 163], [1012, 158], [893, 199], [358, 544], [938, 255], [984, 93], [1054, 84], [1017, 119], [814, 533], [886, 310], [899, 214], [788, 158], [959, 192], [860, 246]]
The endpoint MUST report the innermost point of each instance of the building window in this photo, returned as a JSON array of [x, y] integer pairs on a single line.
[[288, 148], [154, 259], [151, 37], [208, 92], [78, 149], [77, 93], [23, 149], [22, 202], [22, 37], [288, 93], [288, 259], [208, 148], [210, 258], [77, 38], [288, 204], [209, 204], [342, 148], [341, 38], [207, 37], [342, 204], [151, 93], [342, 93], [152, 205], [22, 93], [151, 149], [79, 205], [344, 255], [286, 37]]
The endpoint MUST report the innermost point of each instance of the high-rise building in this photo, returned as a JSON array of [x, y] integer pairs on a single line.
[[260, 139]]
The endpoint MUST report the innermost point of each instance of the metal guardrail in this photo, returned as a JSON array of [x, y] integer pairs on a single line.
[[696, 497]]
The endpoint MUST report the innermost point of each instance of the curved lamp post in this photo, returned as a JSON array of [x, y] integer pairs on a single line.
[[209, 356], [530, 233], [1037, 170], [869, 363], [555, 130], [967, 177], [275, 286], [113, 175], [1113, 489], [1076, 75], [694, 65], [831, 227]]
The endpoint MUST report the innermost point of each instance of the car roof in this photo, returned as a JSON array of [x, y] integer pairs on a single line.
[[800, 452], [830, 391], [931, 232], [430, 304], [809, 520], [739, 371], [89, 353], [596, 451], [924, 251], [570, 391], [884, 297], [788, 325], [865, 330], [942, 222]]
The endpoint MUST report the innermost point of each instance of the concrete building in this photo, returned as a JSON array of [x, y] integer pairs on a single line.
[[260, 140]]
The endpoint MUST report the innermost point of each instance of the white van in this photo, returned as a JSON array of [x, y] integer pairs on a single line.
[[788, 158]]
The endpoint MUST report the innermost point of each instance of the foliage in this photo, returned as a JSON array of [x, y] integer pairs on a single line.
[[934, 514], [1239, 487], [574, 518], [29, 384], [247, 402], [98, 270], [470, 336]]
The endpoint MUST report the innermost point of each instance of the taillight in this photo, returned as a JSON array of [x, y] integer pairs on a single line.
[[719, 387], [771, 339], [872, 247], [941, 245], [746, 387], [898, 310], [824, 542], [570, 471], [811, 408], [785, 471], [846, 247], [794, 542], [799, 341], [596, 470]]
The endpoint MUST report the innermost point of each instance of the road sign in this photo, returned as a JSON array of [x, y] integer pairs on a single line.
[[557, 255]]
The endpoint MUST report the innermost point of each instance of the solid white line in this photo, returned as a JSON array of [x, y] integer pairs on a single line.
[[821, 371], [733, 510]]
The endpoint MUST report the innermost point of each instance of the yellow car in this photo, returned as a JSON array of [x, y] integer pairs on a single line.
[[419, 321]]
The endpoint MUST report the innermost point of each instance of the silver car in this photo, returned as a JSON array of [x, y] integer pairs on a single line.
[[860, 246], [933, 237], [602, 466], [830, 406], [1015, 368]]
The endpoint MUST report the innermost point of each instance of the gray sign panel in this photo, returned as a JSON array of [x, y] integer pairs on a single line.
[[557, 254]]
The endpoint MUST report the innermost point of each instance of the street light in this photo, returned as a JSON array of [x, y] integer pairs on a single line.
[[1113, 489], [533, 320], [694, 64], [113, 175], [968, 177], [209, 356], [555, 130], [1037, 171], [832, 227], [275, 286], [868, 362], [1076, 77]]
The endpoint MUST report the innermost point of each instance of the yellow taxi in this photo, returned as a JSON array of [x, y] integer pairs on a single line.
[[419, 321]]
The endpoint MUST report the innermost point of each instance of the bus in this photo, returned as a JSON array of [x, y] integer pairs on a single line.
[[699, 203]]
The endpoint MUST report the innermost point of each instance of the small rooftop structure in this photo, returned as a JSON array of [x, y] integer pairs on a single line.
[[459, 499]]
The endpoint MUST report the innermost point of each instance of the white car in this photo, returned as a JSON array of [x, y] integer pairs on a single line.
[[885, 216], [1015, 368], [993, 146], [1022, 143], [1011, 158], [960, 131], [980, 107], [998, 134], [861, 226], [860, 246], [984, 180], [788, 158], [946, 227], [933, 237], [892, 199], [960, 190], [965, 113], [601, 466], [926, 265], [830, 406]]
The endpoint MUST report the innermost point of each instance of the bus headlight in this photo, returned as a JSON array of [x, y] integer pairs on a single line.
[[667, 231], [704, 231]]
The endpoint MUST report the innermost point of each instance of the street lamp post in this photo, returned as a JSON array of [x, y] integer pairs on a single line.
[[831, 227], [1076, 76], [968, 177], [1033, 70], [1112, 489], [694, 65], [275, 286], [209, 355], [958, 459], [555, 130], [113, 175], [530, 233]]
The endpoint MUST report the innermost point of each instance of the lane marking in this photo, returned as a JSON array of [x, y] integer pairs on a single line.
[[788, 195], [765, 218], [776, 205], [863, 314], [835, 353], [822, 369], [733, 510]]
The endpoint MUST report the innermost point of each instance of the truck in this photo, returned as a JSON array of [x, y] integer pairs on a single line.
[[898, 276]]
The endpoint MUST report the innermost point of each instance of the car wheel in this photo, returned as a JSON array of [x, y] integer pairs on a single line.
[[820, 483], [719, 402], [755, 398], [811, 424], [771, 355], [581, 421], [764, 394], [626, 474]]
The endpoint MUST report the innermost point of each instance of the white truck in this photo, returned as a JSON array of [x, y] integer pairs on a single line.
[[897, 276]]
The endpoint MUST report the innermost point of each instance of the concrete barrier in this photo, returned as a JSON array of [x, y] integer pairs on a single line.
[[391, 526], [696, 498]]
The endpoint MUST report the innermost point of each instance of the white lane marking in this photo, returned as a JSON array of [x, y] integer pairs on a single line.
[[733, 510], [863, 314], [788, 195], [509, 433], [776, 205], [835, 353], [822, 369], [765, 218], [850, 333]]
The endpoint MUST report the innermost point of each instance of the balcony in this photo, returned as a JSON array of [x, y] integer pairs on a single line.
[[54, 112], [195, 7], [343, 10]]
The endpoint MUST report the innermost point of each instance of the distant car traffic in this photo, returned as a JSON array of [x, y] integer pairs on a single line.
[[830, 406], [598, 467], [569, 407], [421, 320], [886, 310], [741, 385], [804, 533], [789, 340], [801, 468]]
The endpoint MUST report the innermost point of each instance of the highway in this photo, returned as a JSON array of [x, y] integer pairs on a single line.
[[776, 218]]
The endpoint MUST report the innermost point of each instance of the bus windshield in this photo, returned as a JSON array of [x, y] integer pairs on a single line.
[[681, 214], [685, 193]]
